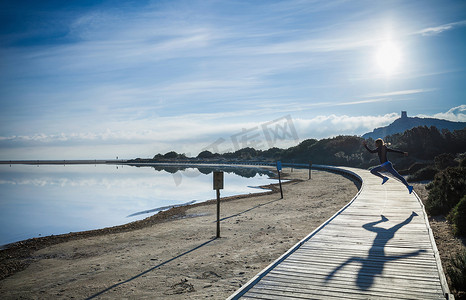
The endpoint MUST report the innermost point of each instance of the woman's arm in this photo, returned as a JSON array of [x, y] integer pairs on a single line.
[[370, 150], [397, 151]]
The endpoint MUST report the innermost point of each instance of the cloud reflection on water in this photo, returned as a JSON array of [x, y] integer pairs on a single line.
[[37, 201]]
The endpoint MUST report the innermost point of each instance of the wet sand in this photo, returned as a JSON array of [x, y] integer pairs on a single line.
[[174, 254]]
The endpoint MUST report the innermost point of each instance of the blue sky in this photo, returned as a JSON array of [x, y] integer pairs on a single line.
[[100, 79]]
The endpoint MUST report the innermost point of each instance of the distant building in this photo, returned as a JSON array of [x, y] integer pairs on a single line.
[[404, 114]]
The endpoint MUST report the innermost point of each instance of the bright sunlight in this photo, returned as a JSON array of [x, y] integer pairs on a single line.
[[388, 57]]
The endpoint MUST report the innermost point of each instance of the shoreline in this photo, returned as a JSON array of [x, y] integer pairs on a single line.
[[174, 254], [22, 249], [151, 217], [161, 216], [60, 162]]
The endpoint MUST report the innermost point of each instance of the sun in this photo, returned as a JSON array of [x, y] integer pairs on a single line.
[[388, 57]]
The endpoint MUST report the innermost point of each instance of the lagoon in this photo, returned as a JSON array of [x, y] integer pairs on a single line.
[[41, 200]]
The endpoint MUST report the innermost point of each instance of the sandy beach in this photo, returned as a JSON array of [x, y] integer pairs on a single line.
[[174, 254]]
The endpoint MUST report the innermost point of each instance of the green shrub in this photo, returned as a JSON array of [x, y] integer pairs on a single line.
[[457, 217], [413, 168], [426, 173], [444, 161], [448, 187], [463, 162], [457, 272]]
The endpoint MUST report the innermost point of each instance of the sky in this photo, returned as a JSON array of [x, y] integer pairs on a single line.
[[115, 78]]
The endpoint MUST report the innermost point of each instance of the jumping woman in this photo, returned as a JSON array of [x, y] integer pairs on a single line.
[[386, 165]]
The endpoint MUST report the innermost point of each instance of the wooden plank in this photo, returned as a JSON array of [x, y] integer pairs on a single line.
[[352, 272], [342, 283], [352, 268], [414, 272], [345, 253], [274, 282], [307, 293]]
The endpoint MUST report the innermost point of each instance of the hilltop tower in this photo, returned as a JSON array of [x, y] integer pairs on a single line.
[[404, 114]]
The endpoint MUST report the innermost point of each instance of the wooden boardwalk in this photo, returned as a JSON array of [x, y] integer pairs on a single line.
[[378, 246]]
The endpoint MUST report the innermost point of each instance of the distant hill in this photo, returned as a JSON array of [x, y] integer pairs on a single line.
[[404, 123]]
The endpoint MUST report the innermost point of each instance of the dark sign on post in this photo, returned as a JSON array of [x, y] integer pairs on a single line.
[[218, 180], [310, 168], [218, 185], [279, 165], [279, 168]]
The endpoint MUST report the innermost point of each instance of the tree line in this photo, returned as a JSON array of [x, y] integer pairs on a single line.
[[422, 143]]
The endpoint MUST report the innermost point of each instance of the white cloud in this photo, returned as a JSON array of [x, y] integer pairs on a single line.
[[439, 29], [188, 134], [400, 93], [191, 134], [455, 114], [333, 125]]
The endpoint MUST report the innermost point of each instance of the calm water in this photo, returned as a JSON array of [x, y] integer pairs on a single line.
[[44, 200]]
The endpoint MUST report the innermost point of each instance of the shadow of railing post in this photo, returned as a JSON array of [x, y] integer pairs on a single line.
[[149, 270]]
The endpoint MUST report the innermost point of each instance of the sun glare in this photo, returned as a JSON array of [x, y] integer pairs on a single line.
[[388, 57]]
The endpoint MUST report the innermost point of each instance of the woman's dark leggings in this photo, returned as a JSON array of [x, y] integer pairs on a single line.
[[389, 168]]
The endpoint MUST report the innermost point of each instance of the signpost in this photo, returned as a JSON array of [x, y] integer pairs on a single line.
[[310, 167], [218, 185], [279, 168]]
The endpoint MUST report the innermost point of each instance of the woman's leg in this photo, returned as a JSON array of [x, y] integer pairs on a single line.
[[389, 168], [376, 171]]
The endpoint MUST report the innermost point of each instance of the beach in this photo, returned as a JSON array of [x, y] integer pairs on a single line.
[[174, 254]]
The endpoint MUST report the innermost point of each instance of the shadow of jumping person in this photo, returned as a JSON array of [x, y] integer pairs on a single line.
[[373, 265]]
